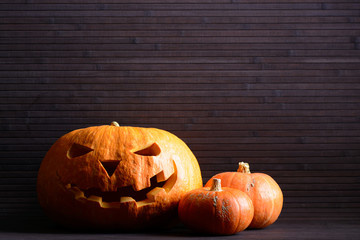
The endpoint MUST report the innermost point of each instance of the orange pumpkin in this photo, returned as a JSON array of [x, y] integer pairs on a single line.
[[113, 177], [264, 192], [216, 210]]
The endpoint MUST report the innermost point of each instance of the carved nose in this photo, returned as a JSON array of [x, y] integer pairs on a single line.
[[110, 166]]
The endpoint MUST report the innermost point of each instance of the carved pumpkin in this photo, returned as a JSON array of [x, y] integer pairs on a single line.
[[216, 210], [264, 192], [113, 177]]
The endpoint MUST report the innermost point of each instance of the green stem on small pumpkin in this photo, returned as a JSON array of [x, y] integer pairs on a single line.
[[216, 186], [113, 123], [244, 167]]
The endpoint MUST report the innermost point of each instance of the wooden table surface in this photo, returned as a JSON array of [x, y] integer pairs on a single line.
[[283, 229]]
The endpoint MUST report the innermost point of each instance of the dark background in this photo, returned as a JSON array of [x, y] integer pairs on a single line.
[[275, 83]]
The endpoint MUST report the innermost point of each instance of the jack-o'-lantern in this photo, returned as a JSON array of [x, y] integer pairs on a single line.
[[115, 177]]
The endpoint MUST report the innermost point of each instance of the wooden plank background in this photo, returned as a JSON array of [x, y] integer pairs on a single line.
[[275, 83]]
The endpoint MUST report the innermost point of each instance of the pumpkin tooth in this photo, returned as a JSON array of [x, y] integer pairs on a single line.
[[76, 191], [80, 195], [151, 197], [95, 198], [164, 174], [144, 203], [160, 177], [126, 199], [110, 204], [154, 192]]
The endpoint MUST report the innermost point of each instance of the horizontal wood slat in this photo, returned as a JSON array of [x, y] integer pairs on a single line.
[[182, 13], [271, 82], [164, 25]]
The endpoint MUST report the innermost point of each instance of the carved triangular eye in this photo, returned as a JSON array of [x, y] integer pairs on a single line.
[[152, 150], [77, 150]]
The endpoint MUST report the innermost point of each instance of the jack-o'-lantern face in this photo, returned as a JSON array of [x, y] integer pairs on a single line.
[[116, 177]]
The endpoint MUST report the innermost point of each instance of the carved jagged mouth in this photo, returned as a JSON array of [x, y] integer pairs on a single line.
[[114, 199]]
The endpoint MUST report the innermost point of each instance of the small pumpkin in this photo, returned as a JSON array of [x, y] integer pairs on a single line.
[[216, 210], [114, 177], [263, 190]]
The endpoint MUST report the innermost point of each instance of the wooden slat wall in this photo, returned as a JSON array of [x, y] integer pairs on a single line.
[[272, 82]]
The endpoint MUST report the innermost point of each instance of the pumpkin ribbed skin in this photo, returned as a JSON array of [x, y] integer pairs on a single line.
[[262, 189], [223, 212], [88, 175]]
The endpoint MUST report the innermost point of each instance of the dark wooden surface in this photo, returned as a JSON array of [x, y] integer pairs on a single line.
[[275, 83], [282, 230]]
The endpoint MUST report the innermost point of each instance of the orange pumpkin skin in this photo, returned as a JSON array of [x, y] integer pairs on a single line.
[[262, 189], [113, 177], [210, 211]]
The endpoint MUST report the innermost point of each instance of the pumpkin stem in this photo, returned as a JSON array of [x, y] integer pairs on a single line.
[[244, 167], [113, 123], [216, 186]]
